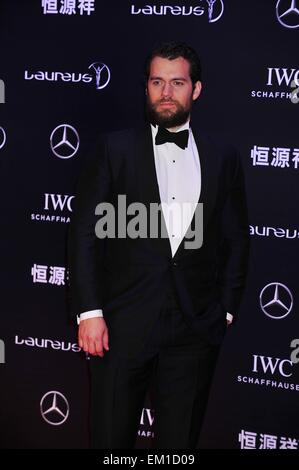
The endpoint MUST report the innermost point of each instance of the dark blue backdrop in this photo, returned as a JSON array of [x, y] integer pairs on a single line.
[[51, 117]]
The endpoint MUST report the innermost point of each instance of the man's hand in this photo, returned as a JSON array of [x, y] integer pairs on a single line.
[[229, 318], [93, 336]]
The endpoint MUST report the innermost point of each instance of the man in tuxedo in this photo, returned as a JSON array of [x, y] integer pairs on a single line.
[[154, 309]]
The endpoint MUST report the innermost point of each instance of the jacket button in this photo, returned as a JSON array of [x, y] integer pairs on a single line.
[[175, 263]]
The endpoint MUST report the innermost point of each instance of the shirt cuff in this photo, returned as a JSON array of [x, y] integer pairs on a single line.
[[229, 317], [89, 314]]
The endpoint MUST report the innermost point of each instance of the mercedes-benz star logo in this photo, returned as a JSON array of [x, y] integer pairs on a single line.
[[2, 137], [64, 141], [287, 13], [215, 11], [54, 408], [102, 73], [276, 300]]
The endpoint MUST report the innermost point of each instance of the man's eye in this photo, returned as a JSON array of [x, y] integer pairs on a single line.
[[156, 82], [178, 83]]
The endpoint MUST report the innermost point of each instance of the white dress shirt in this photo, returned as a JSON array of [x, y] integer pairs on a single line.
[[179, 180]]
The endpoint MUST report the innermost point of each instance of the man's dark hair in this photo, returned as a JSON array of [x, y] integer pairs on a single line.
[[172, 50]]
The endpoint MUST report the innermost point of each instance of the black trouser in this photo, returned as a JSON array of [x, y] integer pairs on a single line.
[[181, 367]]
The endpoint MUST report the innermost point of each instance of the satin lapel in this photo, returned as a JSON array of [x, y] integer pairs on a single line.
[[148, 183], [206, 167]]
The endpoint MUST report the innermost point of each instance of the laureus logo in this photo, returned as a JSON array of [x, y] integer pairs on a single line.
[[100, 75], [213, 8], [2, 137]]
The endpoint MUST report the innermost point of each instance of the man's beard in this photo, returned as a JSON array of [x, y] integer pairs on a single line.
[[167, 118]]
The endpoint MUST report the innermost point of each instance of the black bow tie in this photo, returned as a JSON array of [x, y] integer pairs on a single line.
[[179, 138]]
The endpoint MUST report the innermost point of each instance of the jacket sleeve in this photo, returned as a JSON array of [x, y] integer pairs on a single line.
[[85, 251], [234, 250]]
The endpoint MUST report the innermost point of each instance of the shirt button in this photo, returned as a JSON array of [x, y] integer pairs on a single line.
[[173, 161]]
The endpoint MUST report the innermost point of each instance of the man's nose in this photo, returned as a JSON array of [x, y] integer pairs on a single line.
[[167, 90]]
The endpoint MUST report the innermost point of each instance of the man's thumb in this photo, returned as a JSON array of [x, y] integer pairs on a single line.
[[106, 340]]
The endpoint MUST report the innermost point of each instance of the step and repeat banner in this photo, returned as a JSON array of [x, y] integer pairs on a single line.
[[72, 69]]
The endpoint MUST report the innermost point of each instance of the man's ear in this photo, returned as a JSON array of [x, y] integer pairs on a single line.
[[196, 90]]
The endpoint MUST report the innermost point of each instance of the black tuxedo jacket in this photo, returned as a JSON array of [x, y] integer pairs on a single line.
[[128, 277]]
